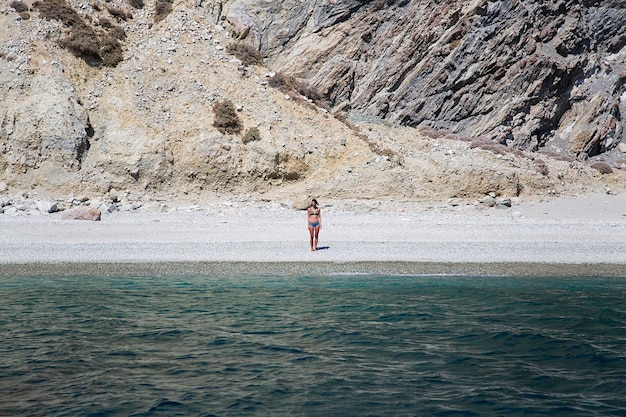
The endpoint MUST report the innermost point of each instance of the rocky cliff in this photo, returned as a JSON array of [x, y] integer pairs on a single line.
[[121, 95], [528, 74]]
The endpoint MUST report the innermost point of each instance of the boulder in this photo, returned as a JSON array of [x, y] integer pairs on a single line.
[[47, 207], [488, 201], [504, 203], [108, 207], [82, 213], [301, 203]]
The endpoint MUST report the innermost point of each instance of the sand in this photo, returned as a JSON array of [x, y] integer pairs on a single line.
[[584, 236]]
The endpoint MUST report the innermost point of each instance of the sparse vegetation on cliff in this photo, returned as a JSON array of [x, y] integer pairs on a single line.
[[246, 53], [19, 6], [83, 40], [119, 13], [290, 85], [226, 118], [182, 116], [602, 167], [137, 4], [162, 9]]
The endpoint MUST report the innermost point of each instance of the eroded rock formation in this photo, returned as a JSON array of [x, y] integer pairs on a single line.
[[530, 74], [525, 75]]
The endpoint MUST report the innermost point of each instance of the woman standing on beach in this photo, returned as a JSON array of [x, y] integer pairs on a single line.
[[314, 223]]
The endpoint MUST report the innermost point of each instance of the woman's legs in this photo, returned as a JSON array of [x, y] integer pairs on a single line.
[[312, 234], [317, 233]]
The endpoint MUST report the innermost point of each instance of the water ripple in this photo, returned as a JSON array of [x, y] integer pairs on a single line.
[[340, 345]]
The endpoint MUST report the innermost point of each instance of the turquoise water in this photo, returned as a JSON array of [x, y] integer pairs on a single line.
[[303, 346]]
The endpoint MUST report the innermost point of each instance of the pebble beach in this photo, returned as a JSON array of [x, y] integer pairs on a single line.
[[574, 236]]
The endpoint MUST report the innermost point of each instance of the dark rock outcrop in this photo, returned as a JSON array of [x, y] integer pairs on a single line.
[[529, 74]]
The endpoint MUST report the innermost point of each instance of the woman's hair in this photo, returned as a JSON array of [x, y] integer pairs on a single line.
[[315, 201]]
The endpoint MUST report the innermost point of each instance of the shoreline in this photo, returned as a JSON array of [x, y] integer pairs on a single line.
[[563, 237], [313, 269]]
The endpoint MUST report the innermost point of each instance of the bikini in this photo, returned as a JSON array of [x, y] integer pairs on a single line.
[[315, 224]]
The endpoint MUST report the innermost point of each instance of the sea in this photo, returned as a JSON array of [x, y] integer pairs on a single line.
[[335, 345]]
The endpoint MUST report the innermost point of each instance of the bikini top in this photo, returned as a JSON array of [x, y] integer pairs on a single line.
[[314, 212]]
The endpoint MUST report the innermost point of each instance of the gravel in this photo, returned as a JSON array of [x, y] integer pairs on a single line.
[[562, 237]]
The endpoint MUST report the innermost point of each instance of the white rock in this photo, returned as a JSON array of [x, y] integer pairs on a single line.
[[488, 201], [47, 207], [107, 207]]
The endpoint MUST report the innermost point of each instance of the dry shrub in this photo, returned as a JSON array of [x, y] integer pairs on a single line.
[[4, 55], [136, 4], [488, 145], [162, 9], [518, 153], [112, 29], [436, 134], [83, 41], [284, 83], [342, 118], [556, 155], [453, 136], [289, 85], [111, 51], [118, 13], [476, 139], [117, 33], [602, 167], [251, 135], [393, 157], [312, 93], [59, 10], [427, 131], [541, 166], [478, 142], [226, 118], [107, 24], [19, 6], [245, 52]]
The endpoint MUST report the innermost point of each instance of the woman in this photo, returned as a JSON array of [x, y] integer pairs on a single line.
[[314, 222]]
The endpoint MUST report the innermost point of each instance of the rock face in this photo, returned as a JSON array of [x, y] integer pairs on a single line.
[[45, 123], [529, 74], [147, 123]]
